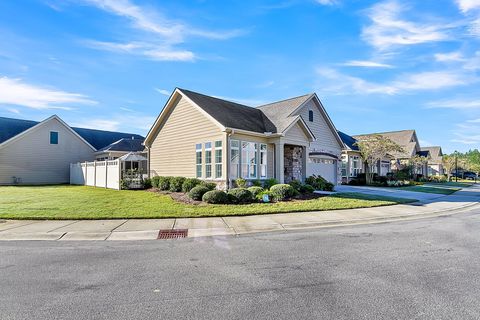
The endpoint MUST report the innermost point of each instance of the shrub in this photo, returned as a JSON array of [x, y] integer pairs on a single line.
[[215, 197], [176, 184], [164, 183], [241, 183], [209, 185], [282, 192], [263, 193], [255, 190], [319, 183], [268, 183], [155, 181], [256, 183], [197, 192], [147, 183], [240, 195], [306, 188], [295, 184], [189, 184]]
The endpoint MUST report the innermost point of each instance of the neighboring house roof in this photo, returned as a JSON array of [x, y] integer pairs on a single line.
[[423, 153], [232, 114], [125, 144], [10, 128], [405, 138], [349, 141], [436, 153], [280, 112]]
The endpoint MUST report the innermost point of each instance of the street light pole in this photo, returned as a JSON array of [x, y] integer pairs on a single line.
[[456, 166]]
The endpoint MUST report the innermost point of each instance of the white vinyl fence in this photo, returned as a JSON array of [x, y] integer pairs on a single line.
[[104, 174]]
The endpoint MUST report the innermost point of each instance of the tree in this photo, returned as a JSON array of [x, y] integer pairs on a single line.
[[448, 162], [473, 160], [373, 149], [416, 162]]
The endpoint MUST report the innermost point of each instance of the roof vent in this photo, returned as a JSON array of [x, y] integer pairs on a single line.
[[133, 138]]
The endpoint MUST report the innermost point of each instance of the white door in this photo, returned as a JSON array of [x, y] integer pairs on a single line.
[[327, 168]]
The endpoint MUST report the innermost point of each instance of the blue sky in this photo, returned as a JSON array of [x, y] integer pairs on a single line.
[[376, 65]]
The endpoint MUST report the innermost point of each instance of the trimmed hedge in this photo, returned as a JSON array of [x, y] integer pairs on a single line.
[[240, 183], [176, 184], [164, 183], [240, 195], [255, 190], [189, 184], [268, 183], [209, 185], [197, 192], [215, 197], [155, 181], [319, 183], [282, 192]]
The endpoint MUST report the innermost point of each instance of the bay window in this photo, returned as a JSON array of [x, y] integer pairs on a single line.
[[249, 160], [218, 159], [198, 161], [208, 159], [234, 158]]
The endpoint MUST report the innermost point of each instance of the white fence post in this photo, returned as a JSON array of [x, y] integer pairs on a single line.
[[106, 173], [94, 173]]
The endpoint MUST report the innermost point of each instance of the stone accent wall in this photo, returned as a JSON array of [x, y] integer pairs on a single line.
[[293, 163]]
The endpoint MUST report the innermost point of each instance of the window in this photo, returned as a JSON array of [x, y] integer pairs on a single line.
[[249, 160], [198, 152], [310, 115], [234, 158], [356, 166], [208, 160], [344, 165], [263, 161], [53, 137], [218, 159]]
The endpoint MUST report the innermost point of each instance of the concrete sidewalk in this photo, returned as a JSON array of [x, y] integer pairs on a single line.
[[148, 229]]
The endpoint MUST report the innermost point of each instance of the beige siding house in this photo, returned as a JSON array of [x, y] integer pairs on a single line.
[[41, 152], [213, 139]]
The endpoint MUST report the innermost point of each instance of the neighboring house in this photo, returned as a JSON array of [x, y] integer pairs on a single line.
[[209, 138], [408, 140], [34, 152], [352, 162], [120, 148], [435, 164]]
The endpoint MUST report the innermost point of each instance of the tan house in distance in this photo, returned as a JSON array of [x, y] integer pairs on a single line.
[[435, 164], [201, 136]]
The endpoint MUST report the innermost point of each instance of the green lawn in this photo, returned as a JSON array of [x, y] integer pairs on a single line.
[[452, 184], [79, 202], [440, 189]]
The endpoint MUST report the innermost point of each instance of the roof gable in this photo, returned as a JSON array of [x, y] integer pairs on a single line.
[[231, 114], [348, 141], [407, 139], [96, 139]]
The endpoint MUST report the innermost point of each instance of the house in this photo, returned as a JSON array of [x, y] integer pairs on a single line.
[[34, 152], [353, 163], [435, 164], [201, 136]]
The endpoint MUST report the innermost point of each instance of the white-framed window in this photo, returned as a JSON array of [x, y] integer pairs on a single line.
[[208, 160], [344, 165], [249, 160], [263, 161], [198, 161], [234, 159], [356, 166], [218, 159]]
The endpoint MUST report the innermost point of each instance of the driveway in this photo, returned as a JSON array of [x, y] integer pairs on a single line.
[[389, 192]]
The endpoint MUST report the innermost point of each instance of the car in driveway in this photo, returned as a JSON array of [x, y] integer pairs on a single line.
[[469, 175]]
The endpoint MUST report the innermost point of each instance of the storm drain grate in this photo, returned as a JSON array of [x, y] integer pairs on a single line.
[[172, 233]]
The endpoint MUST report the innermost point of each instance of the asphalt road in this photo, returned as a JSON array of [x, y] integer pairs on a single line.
[[424, 269]]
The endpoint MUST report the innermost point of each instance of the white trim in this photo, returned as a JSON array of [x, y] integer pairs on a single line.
[[40, 124], [169, 105], [252, 133]]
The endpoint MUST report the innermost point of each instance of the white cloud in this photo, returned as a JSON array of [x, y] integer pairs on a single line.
[[455, 104], [389, 27], [366, 64], [466, 133], [16, 92], [13, 110], [327, 2], [168, 33], [343, 84], [450, 56], [467, 5], [131, 123], [163, 91]]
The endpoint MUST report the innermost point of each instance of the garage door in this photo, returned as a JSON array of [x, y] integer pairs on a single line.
[[327, 168]]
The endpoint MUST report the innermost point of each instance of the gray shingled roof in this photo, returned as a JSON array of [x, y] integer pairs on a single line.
[[402, 137], [97, 138], [232, 114], [349, 141], [435, 153], [279, 112], [125, 144]]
